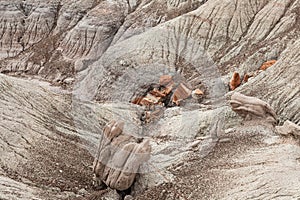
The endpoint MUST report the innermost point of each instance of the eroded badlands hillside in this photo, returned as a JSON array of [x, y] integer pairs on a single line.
[[69, 67]]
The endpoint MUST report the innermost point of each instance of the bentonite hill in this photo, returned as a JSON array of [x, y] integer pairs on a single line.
[[149, 99]]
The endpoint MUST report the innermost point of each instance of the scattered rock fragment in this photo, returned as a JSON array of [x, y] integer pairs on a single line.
[[246, 78], [119, 157], [150, 99], [235, 81], [165, 80], [182, 92], [168, 89], [288, 128], [197, 94], [137, 100], [158, 93], [267, 64], [252, 108]]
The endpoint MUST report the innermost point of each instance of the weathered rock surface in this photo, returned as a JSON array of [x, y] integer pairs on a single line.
[[41, 140], [46, 38], [38, 143], [105, 51], [249, 162]]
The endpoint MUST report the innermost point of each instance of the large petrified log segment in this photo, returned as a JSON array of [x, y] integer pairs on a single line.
[[252, 108], [119, 157]]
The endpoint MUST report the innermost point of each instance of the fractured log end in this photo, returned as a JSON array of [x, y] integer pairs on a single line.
[[251, 108]]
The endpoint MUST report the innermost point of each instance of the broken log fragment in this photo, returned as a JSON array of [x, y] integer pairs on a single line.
[[267, 64], [182, 92], [137, 100], [251, 108], [246, 78], [168, 89], [197, 94], [151, 99], [235, 81], [165, 80], [119, 157], [157, 93]]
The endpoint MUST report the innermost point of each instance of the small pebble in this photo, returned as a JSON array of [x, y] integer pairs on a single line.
[[128, 197]]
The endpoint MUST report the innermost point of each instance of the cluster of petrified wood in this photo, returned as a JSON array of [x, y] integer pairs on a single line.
[[166, 93], [236, 79], [120, 155]]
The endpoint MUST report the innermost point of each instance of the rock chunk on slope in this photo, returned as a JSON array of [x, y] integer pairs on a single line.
[[288, 128], [119, 157], [252, 108]]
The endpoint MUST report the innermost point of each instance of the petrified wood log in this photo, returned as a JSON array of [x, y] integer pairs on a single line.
[[182, 92], [252, 108], [119, 157], [235, 81], [267, 64]]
